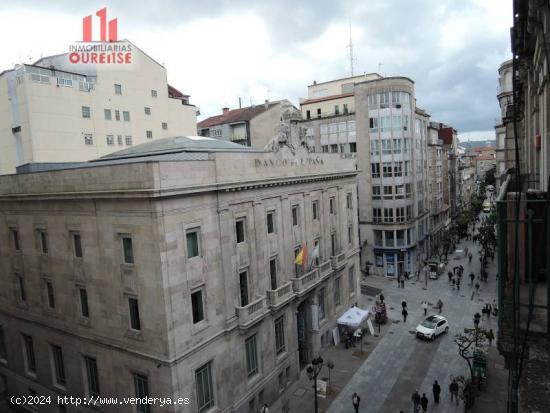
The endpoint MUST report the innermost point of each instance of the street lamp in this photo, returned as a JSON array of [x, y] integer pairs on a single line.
[[312, 372], [477, 317]]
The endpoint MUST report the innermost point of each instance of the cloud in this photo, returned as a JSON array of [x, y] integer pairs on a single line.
[[220, 50]]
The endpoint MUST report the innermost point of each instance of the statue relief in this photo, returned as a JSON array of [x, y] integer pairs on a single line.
[[289, 133]]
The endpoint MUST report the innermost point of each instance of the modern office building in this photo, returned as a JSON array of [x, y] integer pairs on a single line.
[[168, 270], [376, 120], [56, 111]]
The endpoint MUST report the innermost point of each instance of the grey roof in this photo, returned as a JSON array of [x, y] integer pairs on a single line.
[[176, 145]]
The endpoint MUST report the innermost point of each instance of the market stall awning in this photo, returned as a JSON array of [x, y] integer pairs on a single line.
[[353, 317]]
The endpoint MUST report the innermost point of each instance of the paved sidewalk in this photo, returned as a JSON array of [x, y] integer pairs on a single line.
[[401, 363]]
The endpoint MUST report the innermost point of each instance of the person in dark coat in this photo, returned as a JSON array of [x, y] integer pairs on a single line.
[[424, 402], [355, 399], [416, 401], [381, 297], [453, 389], [436, 389], [405, 314]]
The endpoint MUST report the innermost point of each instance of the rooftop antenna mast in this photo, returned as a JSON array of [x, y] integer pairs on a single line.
[[350, 46], [380, 64]]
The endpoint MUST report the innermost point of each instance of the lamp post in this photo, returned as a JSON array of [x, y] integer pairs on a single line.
[[477, 317], [312, 372]]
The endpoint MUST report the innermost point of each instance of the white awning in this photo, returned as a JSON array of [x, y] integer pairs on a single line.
[[353, 317]]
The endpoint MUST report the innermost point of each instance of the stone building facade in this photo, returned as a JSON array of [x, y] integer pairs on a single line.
[[167, 270]]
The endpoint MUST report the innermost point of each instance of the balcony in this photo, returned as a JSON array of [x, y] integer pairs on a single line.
[[325, 269], [279, 297], [524, 272], [338, 261], [252, 313], [307, 281]]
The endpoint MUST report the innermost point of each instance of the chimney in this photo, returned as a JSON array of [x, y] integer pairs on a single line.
[[314, 82], [225, 110], [266, 104]]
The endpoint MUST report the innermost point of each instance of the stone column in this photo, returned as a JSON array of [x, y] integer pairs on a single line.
[[258, 247], [286, 248], [228, 260]]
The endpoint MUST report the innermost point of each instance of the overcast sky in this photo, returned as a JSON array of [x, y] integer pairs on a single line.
[[220, 50]]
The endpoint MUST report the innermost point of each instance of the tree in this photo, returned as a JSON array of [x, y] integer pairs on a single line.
[[467, 343]]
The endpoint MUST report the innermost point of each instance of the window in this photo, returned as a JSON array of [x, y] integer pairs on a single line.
[[110, 140], [86, 112], [345, 108], [388, 191], [141, 387], [50, 294], [337, 299], [28, 354], [398, 169], [197, 306], [243, 287], [375, 170], [15, 238], [119, 140], [77, 244], [281, 381], [353, 147], [280, 335], [117, 114], [390, 238], [350, 234], [296, 266], [164, 125], [205, 390], [84, 311], [378, 238], [318, 112], [58, 365], [387, 169], [295, 220], [331, 203], [388, 215], [128, 140], [92, 376], [336, 110], [154, 93], [88, 139], [333, 243], [22, 290], [128, 249], [108, 115], [373, 124], [135, 322], [273, 272], [400, 214], [192, 239], [3, 350], [376, 192], [270, 222], [351, 280], [149, 134], [126, 116], [308, 114], [349, 202], [251, 356], [377, 214], [321, 301], [147, 110], [315, 209], [240, 230]]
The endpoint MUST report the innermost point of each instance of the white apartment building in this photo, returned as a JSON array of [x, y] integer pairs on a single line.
[[55, 111], [168, 270]]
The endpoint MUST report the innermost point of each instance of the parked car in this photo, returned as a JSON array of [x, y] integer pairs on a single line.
[[431, 327]]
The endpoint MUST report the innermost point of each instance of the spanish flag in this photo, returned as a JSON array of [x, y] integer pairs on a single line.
[[301, 258]]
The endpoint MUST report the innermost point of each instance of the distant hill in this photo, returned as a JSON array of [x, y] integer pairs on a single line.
[[478, 144]]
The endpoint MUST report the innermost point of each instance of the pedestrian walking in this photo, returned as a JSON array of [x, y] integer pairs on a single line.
[[454, 283], [398, 281], [436, 389], [381, 297], [477, 287], [417, 275], [450, 274], [424, 402], [355, 399], [405, 314], [402, 283], [424, 306], [453, 389], [458, 284], [404, 304], [484, 313], [472, 276], [407, 275], [489, 309], [416, 401], [440, 305], [265, 409], [490, 337], [470, 257]]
